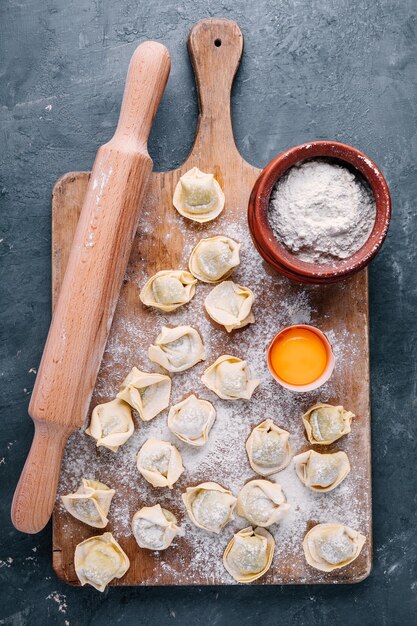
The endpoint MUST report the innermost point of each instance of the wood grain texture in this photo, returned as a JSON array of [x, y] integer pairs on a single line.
[[159, 244], [90, 287]]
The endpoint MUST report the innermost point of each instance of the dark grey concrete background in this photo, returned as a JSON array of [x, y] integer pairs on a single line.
[[311, 69]]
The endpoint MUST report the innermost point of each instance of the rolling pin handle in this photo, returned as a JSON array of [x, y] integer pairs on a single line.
[[34, 497], [146, 79]]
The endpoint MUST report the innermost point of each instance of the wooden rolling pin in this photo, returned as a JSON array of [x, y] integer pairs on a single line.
[[90, 289]]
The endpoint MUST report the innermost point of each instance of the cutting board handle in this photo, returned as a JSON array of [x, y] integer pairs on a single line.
[[215, 47]]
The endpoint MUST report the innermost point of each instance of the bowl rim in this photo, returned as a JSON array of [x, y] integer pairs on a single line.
[[276, 254]]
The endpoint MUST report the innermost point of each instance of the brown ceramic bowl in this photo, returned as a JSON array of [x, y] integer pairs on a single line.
[[276, 254]]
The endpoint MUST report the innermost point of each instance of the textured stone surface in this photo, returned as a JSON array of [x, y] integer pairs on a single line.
[[311, 70]]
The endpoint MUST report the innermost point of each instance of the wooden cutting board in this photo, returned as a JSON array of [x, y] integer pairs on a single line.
[[163, 241]]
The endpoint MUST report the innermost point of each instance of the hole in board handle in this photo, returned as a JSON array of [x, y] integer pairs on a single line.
[[217, 43]]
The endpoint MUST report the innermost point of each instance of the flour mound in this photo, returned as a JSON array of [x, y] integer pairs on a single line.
[[321, 211]]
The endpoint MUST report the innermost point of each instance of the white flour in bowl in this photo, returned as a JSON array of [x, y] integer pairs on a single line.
[[320, 211]]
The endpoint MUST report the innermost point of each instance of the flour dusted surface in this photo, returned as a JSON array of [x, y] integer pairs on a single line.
[[198, 555], [321, 211]]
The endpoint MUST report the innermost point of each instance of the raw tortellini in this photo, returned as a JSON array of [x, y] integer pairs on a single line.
[[98, 560], [177, 349], [210, 506], [230, 378], [248, 556], [198, 196], [191, 420], [154, 528], [321, 472], [160, 463], [169, 289], [111, 424], [147, 393], [325, 423], [90, 503], [268, 448], [214, 259], [262, 503], [331, 546], [230, 305]]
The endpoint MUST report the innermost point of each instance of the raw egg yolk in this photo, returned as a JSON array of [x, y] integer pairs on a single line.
[[298, 356]]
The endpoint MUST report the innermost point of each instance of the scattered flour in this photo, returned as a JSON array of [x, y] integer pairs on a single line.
[[321, 211], [223, 459], [60, 599]]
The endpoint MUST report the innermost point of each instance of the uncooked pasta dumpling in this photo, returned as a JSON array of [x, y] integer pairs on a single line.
[[214, 259], [169, 289], [98, 560], [111, 424], [321, 472], [147, 393], [210, 506], [262, 503], [230, 305], [198, 196], [154, 528], [325, 423], [230, 378], [177, 349], [248, 556], [191, 420], [268, 448], [160, 463], [331, 546], [90, 503]]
